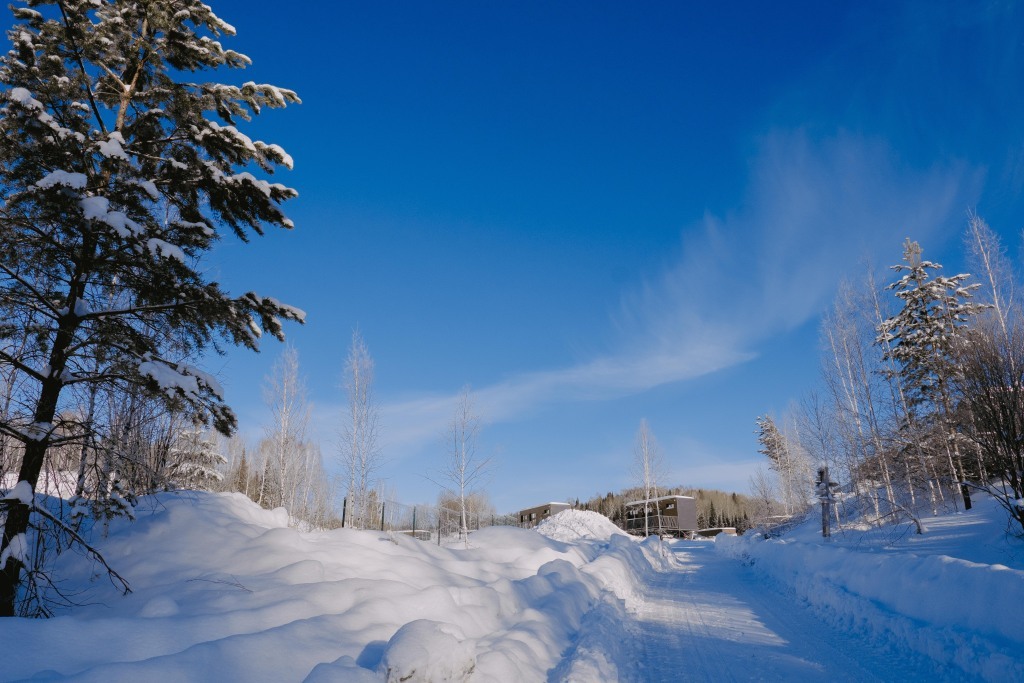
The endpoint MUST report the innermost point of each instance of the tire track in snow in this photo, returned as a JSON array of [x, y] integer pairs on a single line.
[[712, 619]]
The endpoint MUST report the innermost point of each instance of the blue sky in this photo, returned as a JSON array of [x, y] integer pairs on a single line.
[[594, 213]]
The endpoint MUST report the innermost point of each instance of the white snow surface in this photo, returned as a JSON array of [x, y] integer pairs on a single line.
[[111, 147], [76, 181], [22, 492], [151, 189], [169, 379], [574, 525], [24, 98], [952, 594], [96, 208], [158, 248], [17, 548], [224, 590]]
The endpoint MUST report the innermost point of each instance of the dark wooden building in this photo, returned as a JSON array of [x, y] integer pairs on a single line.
[[531, 517], [673, 515]]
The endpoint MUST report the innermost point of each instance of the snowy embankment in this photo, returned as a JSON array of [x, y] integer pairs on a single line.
[[224, 590], [920, 593]]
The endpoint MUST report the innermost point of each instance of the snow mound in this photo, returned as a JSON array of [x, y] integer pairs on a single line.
[[425, 651], [575, 525], [225, 590]]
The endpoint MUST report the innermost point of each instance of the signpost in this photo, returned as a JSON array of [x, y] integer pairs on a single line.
[[825, 490]]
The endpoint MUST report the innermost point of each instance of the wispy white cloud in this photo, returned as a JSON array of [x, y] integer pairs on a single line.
[[815, 209], [422, 420]]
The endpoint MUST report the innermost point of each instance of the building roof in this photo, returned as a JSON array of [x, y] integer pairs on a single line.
[[544, 505], [656, 500]]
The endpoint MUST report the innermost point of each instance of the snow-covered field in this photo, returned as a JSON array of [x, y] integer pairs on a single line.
[[224, 590]]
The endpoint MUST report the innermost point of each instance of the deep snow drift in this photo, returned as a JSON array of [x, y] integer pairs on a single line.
[[224, 590]]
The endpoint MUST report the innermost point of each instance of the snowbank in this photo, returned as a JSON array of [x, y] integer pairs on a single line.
[[954, 611], [225, 590], [575, 525]]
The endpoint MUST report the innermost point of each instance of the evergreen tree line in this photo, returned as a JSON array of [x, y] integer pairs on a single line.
[[923, 394]]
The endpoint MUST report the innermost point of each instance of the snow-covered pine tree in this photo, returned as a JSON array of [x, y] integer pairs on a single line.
[[921, 338], [773, 444], [118, 172], [196, 462]]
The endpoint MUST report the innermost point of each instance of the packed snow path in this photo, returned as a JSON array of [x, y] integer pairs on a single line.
[[714, 619]]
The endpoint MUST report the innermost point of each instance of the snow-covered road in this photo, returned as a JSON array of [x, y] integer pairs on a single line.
[[714, 619]]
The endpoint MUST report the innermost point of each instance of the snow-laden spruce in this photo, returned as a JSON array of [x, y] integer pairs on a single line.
[[120, 169], [920, 342]]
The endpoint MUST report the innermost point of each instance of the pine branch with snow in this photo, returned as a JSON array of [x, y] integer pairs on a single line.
[[118, 174]]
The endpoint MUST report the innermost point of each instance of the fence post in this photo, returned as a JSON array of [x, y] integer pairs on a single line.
[[344, 505], [414, 521], [382, 516], [439, 527]]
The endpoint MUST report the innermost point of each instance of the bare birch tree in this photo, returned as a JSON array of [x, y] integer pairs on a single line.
[[464, 470], [990, 386], [762, 489], [988, 259], [851, 373], [285, 394], [359, 453], [648, 470]]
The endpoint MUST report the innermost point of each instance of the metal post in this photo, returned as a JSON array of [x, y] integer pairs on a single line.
[[825, 496], [382, 516], [414, 521], [344, 504], [825, 531]]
